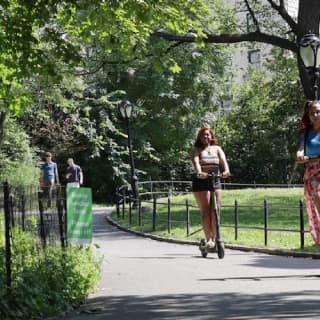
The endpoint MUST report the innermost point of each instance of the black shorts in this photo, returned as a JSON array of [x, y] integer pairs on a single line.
[[205, 184]]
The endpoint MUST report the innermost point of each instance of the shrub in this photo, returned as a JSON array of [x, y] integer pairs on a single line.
[[46, 281]]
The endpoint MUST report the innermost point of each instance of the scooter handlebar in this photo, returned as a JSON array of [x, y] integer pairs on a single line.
[[213, 175], [217, 175]]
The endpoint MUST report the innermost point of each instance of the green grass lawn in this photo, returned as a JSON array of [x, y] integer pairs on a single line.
[[283, 213]]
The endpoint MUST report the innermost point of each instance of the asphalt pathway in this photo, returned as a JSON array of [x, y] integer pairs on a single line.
[[147, 279]]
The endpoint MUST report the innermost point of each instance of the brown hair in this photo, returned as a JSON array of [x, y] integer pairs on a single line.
[[198, 143], [305, 120]]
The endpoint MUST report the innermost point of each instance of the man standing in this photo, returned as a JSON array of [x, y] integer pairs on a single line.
[[74, 174], [49, 175]]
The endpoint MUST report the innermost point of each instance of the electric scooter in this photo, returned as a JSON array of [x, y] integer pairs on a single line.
[[219, 246]]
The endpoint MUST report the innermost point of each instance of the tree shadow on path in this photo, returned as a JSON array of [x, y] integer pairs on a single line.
[[202, 306]]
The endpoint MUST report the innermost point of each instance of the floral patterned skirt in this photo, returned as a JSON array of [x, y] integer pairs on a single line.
[[311, 187]]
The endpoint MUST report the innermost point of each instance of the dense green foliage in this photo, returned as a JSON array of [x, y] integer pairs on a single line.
[[45, 282], [259, 135], [17, 158], [174, 86]]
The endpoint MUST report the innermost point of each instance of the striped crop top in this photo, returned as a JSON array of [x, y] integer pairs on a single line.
[[209, 159]]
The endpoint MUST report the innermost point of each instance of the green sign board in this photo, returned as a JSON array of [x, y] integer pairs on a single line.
[[79, 215]]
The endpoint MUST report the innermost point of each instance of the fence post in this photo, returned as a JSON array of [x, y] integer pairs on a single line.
[[117, 203], [236, 219], [187, 217], [11, 210], [151, 185], [301, 224], [154, 212], [169, 216], [23, 210], [65, 218], [60, 205], [131, 203], [7, 234], [266, 213], [41, 210], [123, 201], [139, 212]]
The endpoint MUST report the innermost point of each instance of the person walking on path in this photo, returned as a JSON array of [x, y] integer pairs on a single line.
[[49, 176], [207, 157], [308, 153], [74, 174]]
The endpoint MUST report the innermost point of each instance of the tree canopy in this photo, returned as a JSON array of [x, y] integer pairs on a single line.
[[67, 64], [286, 34]]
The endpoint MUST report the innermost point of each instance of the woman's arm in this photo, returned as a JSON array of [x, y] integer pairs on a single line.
[[300, 148], [196, 163], [224, 163]]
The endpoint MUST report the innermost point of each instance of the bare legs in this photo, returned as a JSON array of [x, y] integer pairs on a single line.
[[203, 199]]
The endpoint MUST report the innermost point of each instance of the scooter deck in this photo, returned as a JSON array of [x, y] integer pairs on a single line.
[[204, 248]]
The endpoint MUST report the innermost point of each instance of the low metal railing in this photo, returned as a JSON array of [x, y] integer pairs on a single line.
[[161, 193]]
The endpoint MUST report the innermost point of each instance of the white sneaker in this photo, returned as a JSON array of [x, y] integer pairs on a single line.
[[210, 244]]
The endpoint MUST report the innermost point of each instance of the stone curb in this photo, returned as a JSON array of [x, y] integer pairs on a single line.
[[279, 252]]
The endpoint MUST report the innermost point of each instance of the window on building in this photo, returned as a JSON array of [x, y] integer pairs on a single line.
[[254, 58], [250, 23]]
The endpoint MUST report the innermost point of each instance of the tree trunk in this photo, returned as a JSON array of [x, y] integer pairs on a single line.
[[308, 22], [3, 116]]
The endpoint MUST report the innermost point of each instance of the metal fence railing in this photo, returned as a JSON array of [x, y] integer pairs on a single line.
[[40, 214], [161, 193]]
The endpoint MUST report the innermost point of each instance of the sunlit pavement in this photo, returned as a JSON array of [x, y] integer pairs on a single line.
[[148, 279]]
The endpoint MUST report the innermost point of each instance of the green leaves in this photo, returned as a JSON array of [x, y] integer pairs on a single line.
[[259, 136], [175, 68], [46, 281], [126, 26]]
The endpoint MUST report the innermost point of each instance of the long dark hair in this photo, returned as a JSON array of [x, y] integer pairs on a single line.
[[199, 144], [305, 120]]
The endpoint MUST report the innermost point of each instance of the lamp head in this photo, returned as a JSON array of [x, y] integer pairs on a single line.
[[125, 108], [309, 51]]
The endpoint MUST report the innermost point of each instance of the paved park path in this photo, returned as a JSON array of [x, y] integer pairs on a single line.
[[147, 279]]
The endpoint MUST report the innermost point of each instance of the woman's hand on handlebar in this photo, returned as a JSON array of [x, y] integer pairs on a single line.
[[225, 174], [300, 157], [202, 175]]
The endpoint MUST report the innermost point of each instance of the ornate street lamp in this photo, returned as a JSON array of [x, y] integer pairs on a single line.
[[310, 56], [126, 108]]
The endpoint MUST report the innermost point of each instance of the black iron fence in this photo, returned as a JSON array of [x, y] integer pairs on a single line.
[[161, 193], [40, 213]]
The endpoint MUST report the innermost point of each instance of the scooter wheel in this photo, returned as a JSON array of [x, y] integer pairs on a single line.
[[204, 254], [203, 249], [220, 249]]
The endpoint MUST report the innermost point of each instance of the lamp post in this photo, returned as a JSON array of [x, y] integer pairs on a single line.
[[310, 56], [126, 108]]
